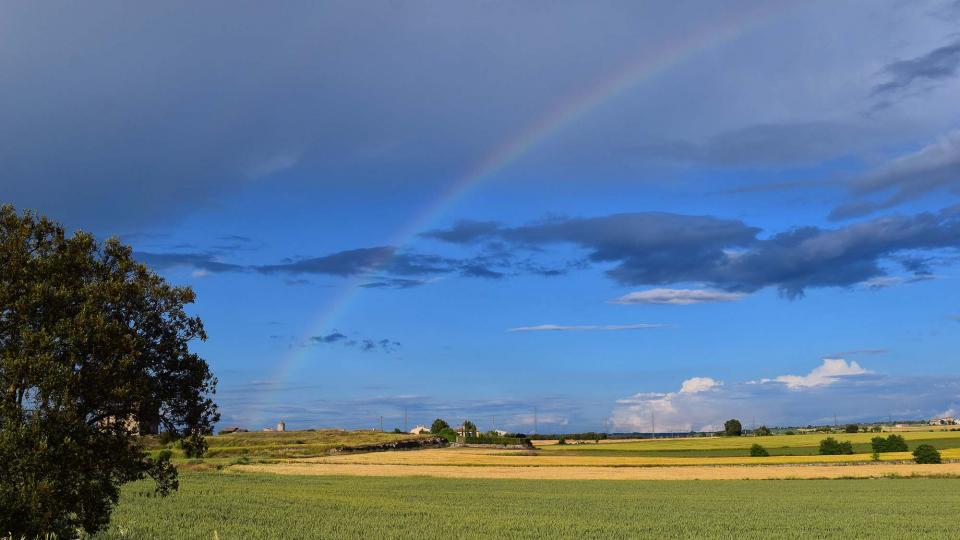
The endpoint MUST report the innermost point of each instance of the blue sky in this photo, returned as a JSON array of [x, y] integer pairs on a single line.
[[601, 210]]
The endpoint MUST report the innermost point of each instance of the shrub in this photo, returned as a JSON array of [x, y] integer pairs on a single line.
[[762, 431], [758, 451], [851, 428], [448, 434], [833, 447], [561, 441], [926, 454], [732, 428]]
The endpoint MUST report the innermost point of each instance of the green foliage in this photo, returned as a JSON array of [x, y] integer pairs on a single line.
[[561, 440], [833, 447], [268, 506], [495, 439], [926, 454], [851, 428], [448, 434], [469, 426], [758, 451], [93, 351], [762, 431], [893, 443], [439, 425], [397, 430], [732, 428]]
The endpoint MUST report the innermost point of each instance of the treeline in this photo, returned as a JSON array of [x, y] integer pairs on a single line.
[[585, 436]]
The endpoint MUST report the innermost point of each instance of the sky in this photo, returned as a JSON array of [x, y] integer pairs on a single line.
[[604, 215]]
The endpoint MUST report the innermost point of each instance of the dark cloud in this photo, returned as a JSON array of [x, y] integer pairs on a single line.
[[933, 168], [395, 283], [332, 337], [360, 261], [361, 344], [201, 261], [937, 65], [662, 249]]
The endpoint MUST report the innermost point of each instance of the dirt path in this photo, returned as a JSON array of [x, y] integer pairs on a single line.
[[873, 470]]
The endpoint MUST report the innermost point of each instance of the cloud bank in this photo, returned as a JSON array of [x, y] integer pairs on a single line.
[[835, 387]]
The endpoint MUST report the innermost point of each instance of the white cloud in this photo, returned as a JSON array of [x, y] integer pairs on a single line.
[[587, 327], [677, 297], [698, 384], [829, 372]]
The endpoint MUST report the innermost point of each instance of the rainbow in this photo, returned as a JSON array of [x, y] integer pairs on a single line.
[[647, 65]]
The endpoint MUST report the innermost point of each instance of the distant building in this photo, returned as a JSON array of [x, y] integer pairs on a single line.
[[500, 432], [270, 429], [945, 421], [420, 430], [281, 426]]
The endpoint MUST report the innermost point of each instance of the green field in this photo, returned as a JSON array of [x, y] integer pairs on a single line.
[[254, 506], [777, 445]]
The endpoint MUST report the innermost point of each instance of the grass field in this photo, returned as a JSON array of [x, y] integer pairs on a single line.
[[255, 506]]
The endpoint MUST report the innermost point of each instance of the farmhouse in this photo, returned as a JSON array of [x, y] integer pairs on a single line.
[[420, 430], [945, 421]]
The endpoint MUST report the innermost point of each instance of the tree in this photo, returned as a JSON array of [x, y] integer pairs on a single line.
[[926, 454], [469, 427], [93, 351], [851, 428], [732, 428], [833, 447], [438, 425], [893, 443], [758, 451], [762, 431]]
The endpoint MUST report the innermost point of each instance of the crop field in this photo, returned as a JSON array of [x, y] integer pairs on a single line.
[[787, 445], [519, 458], [290, 443], [255, 506]]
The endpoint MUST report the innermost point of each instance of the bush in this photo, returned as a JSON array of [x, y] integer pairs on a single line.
[[833, 447], [758, 451], [448, 434], [561, 441], [893, 443], [851, 428], [926, 454], [732, 428], [762, 431]]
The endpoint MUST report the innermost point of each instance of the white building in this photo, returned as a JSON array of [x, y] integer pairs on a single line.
[[420, 430]]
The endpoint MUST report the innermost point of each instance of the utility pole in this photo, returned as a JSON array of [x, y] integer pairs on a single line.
[[381, 423], [493, 423], [404, 419]]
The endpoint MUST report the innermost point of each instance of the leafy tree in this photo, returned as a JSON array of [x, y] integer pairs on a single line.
[[732, 428], [93, 350], [926, 454], [439, 425], [561, 440], [448, 434], [758, 451], [833, 447], [762, 431], [851, 428], [397, 430], [469, 427], [893, 443]]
